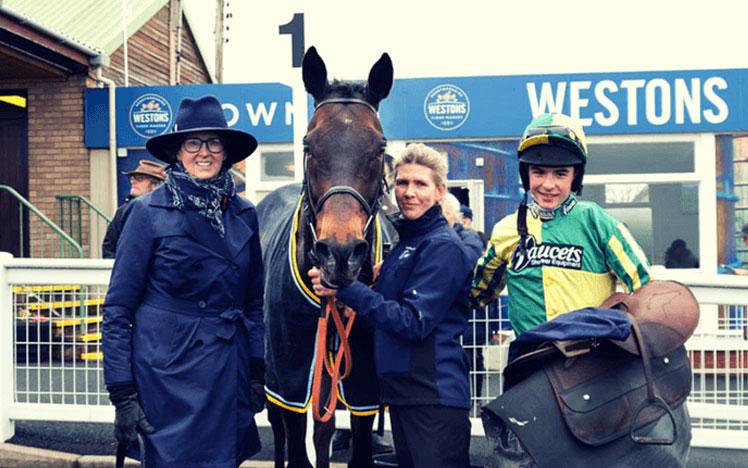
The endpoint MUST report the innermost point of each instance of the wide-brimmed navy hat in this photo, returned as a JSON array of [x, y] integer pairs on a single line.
[[204, 114]]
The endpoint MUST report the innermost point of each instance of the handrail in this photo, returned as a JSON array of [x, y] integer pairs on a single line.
[[70, 218], [44, 219], [85, 200]]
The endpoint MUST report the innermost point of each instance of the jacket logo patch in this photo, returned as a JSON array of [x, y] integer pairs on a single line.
[[539, 255], [406, 253]]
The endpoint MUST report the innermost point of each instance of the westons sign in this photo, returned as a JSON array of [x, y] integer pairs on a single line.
[[262, 109], [665, 102], [606, 103], [459, 107]]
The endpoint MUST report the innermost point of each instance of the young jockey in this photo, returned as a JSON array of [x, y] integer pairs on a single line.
[[556, 253]]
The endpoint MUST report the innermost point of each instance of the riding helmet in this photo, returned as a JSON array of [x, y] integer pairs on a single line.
[[553, 139]]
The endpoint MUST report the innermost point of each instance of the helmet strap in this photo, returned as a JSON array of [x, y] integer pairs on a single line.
[[522, 224]]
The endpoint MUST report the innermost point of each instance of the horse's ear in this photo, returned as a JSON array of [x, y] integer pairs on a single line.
[[380, 80], [314, 72]]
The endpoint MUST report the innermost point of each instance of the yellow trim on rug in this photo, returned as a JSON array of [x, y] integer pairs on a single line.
[[296, 274], [295, 409]]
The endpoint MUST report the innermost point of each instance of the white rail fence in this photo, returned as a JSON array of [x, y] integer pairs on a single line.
[[50, 356]]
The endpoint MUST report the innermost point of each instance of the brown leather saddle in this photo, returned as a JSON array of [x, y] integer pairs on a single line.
[[606, 388]]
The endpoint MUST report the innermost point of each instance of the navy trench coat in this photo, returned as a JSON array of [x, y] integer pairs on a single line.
[[182, 318]]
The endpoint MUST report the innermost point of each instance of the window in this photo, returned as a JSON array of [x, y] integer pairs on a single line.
[[640, 158], [651, 187], [276, 165], [668, 212]]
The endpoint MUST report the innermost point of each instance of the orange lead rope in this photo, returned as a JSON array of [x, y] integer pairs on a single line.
[[331, 366]]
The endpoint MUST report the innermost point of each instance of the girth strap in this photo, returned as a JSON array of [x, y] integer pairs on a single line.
[[653, 397]]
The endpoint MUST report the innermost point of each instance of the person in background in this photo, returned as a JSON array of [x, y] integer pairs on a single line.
[[183, 332], [419, 308], [143, 179], [556, 254], [451, 211], [475, 336], [466, 218], [678, 255]]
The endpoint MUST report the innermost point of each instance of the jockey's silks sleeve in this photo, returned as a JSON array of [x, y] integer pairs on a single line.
[[489, 276]]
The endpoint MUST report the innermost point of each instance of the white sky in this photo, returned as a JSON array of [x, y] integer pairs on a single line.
[[473, 37]]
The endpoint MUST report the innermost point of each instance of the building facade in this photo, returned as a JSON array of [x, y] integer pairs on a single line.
[[50, 54]]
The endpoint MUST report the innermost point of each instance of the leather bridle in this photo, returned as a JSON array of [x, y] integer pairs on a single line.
[[313, 208]]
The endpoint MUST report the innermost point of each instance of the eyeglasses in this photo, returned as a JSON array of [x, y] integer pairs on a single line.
[[193, 144]]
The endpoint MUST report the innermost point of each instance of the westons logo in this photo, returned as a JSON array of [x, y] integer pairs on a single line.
[[150, 115], [446, 107]]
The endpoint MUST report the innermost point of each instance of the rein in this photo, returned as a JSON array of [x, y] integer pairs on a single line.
[[331, 366], [323, 411]]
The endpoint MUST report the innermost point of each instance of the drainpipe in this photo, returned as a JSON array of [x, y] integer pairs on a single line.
[[178, 68], [112, 135]]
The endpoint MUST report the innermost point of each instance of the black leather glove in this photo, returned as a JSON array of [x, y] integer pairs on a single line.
[[128, 417], [257, 384]]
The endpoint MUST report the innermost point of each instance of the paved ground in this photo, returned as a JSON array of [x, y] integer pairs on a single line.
[[95, 442]]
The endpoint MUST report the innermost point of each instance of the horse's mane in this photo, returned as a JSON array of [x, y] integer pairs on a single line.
[[346, 89]]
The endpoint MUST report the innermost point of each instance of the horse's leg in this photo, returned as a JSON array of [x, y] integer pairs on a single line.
[[323, 431], [322, 437], [279, 434], [361, 436], [295, 426]]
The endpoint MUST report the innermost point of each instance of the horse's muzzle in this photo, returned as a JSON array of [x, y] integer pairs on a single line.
[[340, 263]]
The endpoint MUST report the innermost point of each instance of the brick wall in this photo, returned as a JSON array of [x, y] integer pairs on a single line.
[[58, 160]]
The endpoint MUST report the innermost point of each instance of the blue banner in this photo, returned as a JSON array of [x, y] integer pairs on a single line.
[[607, 103], [262, 109], [711, 101]]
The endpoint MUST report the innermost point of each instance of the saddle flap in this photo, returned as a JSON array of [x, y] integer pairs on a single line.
[[666, 310], [660, 339], [598, 393]]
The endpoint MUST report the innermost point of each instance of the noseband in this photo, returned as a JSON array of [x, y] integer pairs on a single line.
[[313, 208]]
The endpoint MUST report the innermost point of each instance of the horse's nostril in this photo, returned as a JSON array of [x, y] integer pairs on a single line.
[[358, 255], [323, 254]]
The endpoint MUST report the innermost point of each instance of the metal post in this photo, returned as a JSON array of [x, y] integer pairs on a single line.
[[219, 41], [7, 343], [125, 20], [20, 231]]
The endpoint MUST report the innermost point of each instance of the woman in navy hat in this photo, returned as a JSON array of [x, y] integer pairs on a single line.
[[183, 332]]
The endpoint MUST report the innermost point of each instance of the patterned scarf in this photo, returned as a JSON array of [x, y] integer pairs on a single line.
[[205, 196]]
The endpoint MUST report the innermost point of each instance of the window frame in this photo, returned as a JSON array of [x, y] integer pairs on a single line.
[[704, 175]]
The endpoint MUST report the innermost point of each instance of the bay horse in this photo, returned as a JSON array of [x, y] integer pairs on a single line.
[[330, 221]]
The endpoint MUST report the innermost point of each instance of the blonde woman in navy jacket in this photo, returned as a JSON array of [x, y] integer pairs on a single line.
[[419, 308], [183, 331]]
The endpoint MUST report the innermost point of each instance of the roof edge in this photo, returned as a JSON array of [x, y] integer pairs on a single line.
[[66, 41], [209, 67], [137, 21]]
